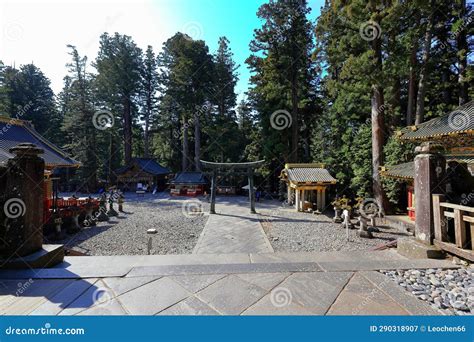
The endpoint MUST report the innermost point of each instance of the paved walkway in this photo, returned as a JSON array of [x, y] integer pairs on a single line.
[[233, 229], [229, 284]]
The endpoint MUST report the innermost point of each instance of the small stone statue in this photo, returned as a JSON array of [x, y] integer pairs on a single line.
[[120, 201], [363, 232], [111, 211], [102, 216]]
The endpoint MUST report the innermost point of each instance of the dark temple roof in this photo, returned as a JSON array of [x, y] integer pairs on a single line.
[[14, 132], [189, 178], [459, 121], [148, 165], [407, 170], [307, 173]]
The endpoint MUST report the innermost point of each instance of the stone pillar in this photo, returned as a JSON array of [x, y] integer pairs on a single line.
[[289, 194], [23, 206], [251, 194], [430, 170], [213, 192]]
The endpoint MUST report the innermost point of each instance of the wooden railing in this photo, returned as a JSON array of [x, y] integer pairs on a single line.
[[463, 217]]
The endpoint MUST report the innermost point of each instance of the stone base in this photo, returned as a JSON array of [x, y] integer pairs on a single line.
[[365, 234], [415, 249], [48, 256]]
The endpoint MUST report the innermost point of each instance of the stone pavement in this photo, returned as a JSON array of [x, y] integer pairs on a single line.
[[232, 230], [329, 283]]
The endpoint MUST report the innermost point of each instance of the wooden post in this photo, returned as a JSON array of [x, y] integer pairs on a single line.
[[213, 192], [459, 229], [323, 199], [251, 192], [440, 223], [297, 199]]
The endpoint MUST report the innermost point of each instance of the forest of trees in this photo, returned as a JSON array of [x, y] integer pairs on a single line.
[[348, 81]]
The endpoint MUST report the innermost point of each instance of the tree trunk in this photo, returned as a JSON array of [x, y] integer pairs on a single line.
[[462, 53], [197, 142], [420, 101], [412, 77], [377, 118], [294, 118], [147, 134], [127, 130], [185, 146]]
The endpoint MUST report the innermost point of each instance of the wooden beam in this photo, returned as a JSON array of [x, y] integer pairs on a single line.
[[459, 229], [452, 248], [440, 221]]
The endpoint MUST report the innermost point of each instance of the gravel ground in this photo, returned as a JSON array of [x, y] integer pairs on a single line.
[[291, 231], [177, 228], [449, 291]]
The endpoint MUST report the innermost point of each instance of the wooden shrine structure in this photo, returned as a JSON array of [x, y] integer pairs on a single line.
[[307, 184], [247, 169]]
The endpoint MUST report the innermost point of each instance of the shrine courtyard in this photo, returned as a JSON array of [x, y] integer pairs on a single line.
[[183, 226], [229, 263]]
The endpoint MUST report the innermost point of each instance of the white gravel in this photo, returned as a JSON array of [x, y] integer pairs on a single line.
[[291, 231], [178, 228], [449, 291]]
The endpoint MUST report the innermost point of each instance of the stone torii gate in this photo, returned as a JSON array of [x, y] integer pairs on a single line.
[[247, 169]]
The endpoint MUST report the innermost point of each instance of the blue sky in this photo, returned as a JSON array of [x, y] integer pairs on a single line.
[[39, 31]]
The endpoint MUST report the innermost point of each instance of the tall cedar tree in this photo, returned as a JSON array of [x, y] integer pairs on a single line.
[[148, 95], [119, 63]]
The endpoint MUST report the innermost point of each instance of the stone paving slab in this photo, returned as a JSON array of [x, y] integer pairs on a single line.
[[153, 297], [232, 230], [231, 295], [266, 306], [35, 293], [65, 297], [190, 306], [361, 297], [94, 295], [222, 269], [314, 291]]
